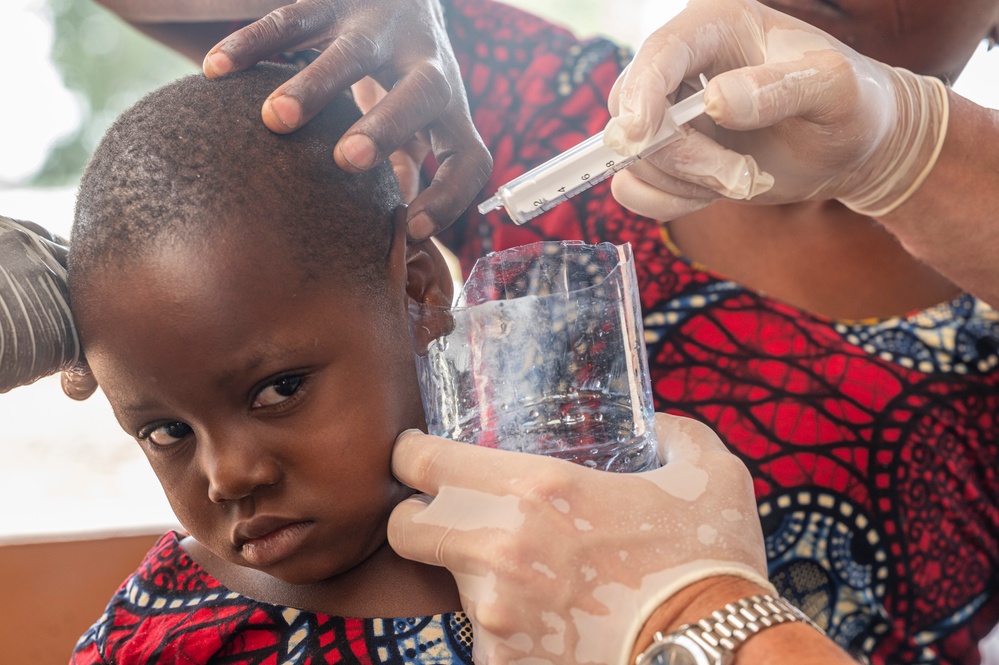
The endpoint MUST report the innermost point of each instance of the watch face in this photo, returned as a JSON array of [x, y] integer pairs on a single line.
[[678, 650], [674, 654]]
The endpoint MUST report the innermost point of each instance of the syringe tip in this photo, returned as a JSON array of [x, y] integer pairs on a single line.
[[493, 203]]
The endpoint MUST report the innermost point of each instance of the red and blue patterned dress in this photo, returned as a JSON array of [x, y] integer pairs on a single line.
[[874, 445], [172, 611]]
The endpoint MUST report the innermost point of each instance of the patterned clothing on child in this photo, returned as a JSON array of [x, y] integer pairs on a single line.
[[172, 611], [873, 444]]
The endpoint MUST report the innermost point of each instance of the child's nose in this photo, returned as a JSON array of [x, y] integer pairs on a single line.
[[235, 467]]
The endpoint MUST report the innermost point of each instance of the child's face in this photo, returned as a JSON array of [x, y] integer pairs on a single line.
[[267, 403]]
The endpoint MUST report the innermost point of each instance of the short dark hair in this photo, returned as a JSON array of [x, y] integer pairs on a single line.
[[195, 155]]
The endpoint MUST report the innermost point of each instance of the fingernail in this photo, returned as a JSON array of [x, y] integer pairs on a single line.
[[732, 98], [217, 64], [287, 110], [407, 433], [421, 226], [359, 151]]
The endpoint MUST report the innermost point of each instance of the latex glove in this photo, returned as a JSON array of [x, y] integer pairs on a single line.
[[37, 335], [561, 563], [799, 116], [402, 44]]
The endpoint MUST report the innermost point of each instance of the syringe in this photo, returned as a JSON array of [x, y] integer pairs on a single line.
[[579, 168]]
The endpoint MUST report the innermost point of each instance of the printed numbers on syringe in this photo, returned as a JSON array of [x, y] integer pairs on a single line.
[[586, 180], [579, 168], [561, 178]]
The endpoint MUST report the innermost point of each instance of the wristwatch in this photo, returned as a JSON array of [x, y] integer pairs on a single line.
[[713, 641]]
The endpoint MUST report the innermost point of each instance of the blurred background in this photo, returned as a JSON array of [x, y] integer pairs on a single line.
[[69, 68]]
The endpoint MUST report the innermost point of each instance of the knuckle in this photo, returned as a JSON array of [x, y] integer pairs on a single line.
[[556, 482], [262, 34], [358, 48], [424, 463], [280, 24], [433, 85], [496, 618], [509, 555]]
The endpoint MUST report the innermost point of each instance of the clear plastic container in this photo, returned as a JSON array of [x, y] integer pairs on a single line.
[[545, 355]]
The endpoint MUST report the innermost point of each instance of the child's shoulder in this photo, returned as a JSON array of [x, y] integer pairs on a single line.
[[168, 570], [172, 610]]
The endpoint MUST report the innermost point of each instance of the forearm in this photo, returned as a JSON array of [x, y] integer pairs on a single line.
[[787, 644], [190, 27], [165, 11], [192, 40], [950, 222]]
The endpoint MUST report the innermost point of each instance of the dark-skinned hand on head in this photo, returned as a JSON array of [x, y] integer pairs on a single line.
[[401, 44]]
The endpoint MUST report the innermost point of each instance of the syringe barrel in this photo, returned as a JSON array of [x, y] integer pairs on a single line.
[[579, 168], [545, 186]]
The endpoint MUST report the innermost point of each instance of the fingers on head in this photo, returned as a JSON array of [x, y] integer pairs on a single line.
[[416, 101], [281, 30], [465, 166], [347, 60]]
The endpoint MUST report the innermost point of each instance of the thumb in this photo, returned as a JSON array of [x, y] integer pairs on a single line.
[[685, 439], [757, 97]]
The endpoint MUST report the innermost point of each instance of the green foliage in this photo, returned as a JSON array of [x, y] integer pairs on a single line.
[[109, 66]]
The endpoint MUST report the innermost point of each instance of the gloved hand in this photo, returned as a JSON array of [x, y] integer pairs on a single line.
[[402, 44], [799, 116], [37, 335], [560, 563]]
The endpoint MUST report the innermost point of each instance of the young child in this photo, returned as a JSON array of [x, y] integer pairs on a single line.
[[243, 305]]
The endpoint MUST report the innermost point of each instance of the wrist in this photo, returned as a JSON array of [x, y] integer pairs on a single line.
[[904, 161], [693, 603]]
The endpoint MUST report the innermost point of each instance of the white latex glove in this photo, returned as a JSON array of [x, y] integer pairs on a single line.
[[820, 120], [560, 563], [37, 335]]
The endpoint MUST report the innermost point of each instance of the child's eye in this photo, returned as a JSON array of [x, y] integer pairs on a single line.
[[166, 435], [277, 391]]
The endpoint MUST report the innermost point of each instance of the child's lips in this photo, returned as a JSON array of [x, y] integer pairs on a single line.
[[264, 540]]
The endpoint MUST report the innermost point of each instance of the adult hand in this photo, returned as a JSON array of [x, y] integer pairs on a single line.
[[404, 46], [561, 563], [37, 335], [406, 160], [797, 115]]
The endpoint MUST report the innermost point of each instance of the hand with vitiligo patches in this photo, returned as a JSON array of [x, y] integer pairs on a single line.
[[560, 563], [795, 115]]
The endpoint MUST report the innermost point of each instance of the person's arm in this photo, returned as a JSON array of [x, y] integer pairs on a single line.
[[951, 221], [565, 564], [798, 115], [402, 44], [786, 644]]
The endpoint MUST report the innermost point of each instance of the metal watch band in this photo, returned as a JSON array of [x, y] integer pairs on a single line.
[[737, 622], [726, 629]]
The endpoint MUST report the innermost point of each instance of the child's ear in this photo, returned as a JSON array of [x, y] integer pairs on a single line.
[[78, 383], [428, 278], [429, 286]]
